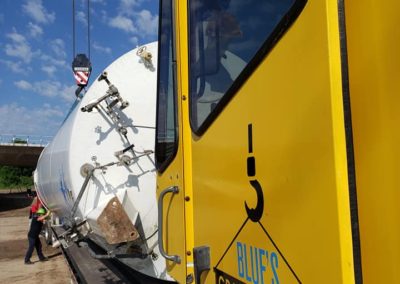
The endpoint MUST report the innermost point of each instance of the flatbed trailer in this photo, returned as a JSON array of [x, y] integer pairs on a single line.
[[89, 270]]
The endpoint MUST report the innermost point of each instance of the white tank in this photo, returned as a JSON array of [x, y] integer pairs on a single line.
[[118, 205]]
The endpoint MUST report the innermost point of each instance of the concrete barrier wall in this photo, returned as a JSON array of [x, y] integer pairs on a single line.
[[19, 155]]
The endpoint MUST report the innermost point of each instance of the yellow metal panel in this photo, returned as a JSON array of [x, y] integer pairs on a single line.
[[293, 101], [176, 224], [184, 138], [339, 136], [173, 217], [374, 60]]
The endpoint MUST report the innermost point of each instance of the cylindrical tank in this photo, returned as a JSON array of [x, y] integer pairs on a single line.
[[108, 139]]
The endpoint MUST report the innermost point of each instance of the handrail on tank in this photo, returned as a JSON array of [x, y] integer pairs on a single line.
[[89, 174], [25, 140], [83, 188]]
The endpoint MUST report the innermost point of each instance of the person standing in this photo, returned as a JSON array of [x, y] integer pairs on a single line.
[[36, 204], [35, 228]]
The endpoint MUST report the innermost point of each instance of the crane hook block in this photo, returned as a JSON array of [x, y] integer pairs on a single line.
[[82, 68]]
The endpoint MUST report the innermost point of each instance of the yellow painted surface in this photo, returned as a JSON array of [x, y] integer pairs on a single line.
[[176, 224], [173, 217], [374, 60], [185, 134], [294, 102], [339, 136]]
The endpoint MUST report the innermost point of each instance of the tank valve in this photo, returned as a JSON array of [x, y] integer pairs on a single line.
[[146, 57], [123, 131], [125, 160], [86, 169], [112, 97]]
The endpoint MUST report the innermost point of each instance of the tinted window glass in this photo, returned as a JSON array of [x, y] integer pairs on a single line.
[[166, 128], [224, 37]]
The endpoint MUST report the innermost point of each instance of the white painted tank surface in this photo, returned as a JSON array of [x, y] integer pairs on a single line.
[[108, 140]]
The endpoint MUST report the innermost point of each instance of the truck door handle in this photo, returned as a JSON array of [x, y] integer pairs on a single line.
[[173, 190]]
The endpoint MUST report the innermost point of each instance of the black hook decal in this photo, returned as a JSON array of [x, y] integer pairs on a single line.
[[254, 214]]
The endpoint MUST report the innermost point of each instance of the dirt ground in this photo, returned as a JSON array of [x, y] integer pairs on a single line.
[[14, 222]]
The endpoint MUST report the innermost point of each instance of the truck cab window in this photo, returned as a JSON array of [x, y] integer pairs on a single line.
[[224, 38], [166, 125]]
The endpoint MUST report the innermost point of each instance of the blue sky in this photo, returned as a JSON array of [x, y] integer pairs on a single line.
[[36, 82]]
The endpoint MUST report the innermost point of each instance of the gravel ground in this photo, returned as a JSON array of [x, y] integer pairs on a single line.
[[14, 222]]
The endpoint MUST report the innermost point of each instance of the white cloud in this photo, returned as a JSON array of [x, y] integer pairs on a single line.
[[51, 112], [55, 89], [134, 40], [68, 93], [58, 48], [47, 88], [122, 23], [141, 23], [81, 17], [44, 120], [34, 30], [16, 37], [147, 23], [104, 16], [51, 89], [16, 66], [49, 69], [53, 61], [51, 64], [35, 9], [127, 7], [18, 47], [23, 85], [102, 49]]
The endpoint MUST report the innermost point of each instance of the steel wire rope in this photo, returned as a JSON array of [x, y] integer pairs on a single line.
[[88, 24], [74, 31], [73, 28]]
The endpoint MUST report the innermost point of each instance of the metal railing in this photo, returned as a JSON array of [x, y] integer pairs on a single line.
[[25, 140]]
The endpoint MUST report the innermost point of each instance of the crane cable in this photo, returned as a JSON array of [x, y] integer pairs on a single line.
[[73, 28], [81, 65], [88, 26]]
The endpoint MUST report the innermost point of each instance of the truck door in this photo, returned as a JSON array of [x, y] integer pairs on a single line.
[[273, 187]]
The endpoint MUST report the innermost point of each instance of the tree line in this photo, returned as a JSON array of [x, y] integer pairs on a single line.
[[15, 177]]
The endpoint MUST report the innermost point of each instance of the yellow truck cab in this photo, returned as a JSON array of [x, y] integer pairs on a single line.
[[277, 142]]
